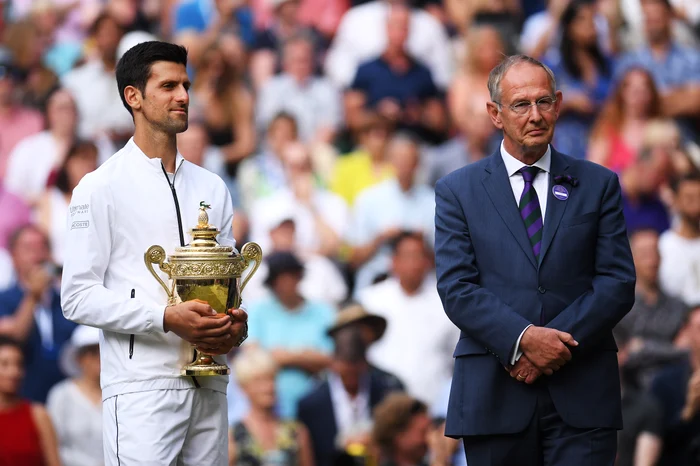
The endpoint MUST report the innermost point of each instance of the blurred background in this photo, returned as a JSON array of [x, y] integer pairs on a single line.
[[330, 122]]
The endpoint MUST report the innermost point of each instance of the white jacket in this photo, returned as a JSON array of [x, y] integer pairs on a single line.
[[117, 212]]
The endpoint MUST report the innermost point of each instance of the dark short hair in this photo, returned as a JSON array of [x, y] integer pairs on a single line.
[[79, 147], [9, 341], [134, 67], [408, 235], [692, 177]]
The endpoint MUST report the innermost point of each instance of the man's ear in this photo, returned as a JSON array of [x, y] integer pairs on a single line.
[[133, 97], [495, 114]]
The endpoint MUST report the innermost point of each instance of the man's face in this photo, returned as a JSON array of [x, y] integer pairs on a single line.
[[411, 262], [645, 252], [404, 157], [533, 130], [397, 26], [61, 113], [107, 38], [166, 100], [413, 442], [299, 59], [687, 201], [657, 19], [30, 251]]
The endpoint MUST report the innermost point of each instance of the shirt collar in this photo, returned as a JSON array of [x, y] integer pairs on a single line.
[[513, 165], [155, 162]]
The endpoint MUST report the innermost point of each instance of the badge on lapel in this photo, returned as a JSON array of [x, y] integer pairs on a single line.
[[559, 191]]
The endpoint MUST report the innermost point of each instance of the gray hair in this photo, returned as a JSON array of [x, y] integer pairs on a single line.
[[502, 68]]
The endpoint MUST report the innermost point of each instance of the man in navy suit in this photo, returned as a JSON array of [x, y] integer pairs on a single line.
[[534, 267]]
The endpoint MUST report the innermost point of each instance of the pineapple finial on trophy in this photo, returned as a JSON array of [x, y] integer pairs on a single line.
[[203, 218]]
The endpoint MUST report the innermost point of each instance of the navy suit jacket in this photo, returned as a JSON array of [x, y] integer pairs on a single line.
[[492, 288], [316, 412]]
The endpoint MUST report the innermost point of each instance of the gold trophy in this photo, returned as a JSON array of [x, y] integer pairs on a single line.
[[206, 271]]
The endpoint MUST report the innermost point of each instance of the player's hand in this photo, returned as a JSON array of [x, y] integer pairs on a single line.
[[238, 332], [196, 322], [547, 348], [525, 371]]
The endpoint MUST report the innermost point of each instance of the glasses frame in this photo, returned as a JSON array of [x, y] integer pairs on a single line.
[[529, 107]]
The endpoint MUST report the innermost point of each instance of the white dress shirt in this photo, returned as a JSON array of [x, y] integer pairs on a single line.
[[351, 414], [517, 183]]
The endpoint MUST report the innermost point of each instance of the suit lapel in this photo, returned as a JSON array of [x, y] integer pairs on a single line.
[[500, 192], [329, 418], [555, 207]]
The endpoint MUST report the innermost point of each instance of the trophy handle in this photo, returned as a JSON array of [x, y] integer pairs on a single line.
[[251, 252], [156, 255]]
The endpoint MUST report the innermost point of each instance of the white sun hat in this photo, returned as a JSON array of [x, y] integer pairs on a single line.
[[82, 336]]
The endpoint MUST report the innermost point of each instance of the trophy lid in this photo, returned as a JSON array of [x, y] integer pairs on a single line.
[[203, 238]]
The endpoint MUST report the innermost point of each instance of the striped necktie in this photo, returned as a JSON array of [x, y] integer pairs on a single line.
[[530, 210]]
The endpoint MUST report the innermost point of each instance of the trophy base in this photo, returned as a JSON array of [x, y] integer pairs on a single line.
[[200, 371], [204, 365]]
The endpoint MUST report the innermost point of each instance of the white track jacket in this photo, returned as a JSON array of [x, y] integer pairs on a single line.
[[116, 213]]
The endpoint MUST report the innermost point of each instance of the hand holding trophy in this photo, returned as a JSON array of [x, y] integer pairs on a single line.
[[206, 281]]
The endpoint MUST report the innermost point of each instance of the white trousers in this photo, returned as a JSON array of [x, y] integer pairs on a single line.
[[166, 428]]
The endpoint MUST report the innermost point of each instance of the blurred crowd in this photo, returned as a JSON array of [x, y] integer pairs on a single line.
[[330, 122]]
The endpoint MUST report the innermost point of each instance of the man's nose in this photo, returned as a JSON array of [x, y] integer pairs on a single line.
[[535, 114]]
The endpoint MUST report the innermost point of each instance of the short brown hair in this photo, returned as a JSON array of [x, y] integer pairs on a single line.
[[392, 416]]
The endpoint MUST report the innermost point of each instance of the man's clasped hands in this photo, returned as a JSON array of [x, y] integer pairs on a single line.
[[545, 351]]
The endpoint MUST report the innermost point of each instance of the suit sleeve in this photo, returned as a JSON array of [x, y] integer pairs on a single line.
[[84, 298], [472, 308], [611, 296]]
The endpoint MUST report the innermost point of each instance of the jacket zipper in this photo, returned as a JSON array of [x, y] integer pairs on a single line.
[[180, 231], [131, 337]]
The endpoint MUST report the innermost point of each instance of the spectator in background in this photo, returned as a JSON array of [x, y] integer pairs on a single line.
[[677, 390], [338, 411], [94, 87], [655, 316], [394, 84], [194, 146], [30, 311], [208, 20], [221, 100], [268, 49], [52, 208], [313, 101], [322, 280], [367, 165], [583, 73], [679, 273], [15, 213], [427, 42], [409, 302], [27, 437], [292, 329], [33, 163], [261, 437], [16, 121], [477, 139], [382, 211], [468, 92], [640, 182], [640, 441], [401, 429], [617, 134], [675, 68], [320, 216], [264, 173], [75, 404]]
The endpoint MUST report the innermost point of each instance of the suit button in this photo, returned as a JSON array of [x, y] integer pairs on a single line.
[[541, 289]]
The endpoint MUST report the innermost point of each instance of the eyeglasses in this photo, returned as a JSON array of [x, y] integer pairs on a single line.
[[522, 107]]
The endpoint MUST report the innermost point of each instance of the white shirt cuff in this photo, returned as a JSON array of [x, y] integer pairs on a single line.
[[516, 351]]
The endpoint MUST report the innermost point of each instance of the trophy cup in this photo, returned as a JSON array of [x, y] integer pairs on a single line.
[[206, 271]]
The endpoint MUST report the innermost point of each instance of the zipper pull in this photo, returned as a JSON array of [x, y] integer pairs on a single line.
[[131, 338]]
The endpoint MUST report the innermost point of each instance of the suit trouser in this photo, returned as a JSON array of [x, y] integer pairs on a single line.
[[166, 428], [547, 441]]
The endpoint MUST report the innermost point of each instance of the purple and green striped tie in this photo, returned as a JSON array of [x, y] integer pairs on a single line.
[[530, 210]]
